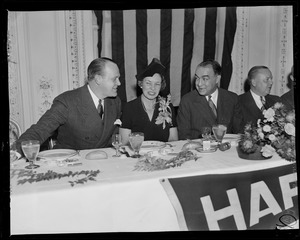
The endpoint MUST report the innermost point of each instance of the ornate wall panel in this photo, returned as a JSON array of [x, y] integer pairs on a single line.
[[269, 31], [49, 54], [80, 45], [240, 52], [15, 110]]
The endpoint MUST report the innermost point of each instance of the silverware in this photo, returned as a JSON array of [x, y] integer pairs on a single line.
[[169, 144], [74, 164]]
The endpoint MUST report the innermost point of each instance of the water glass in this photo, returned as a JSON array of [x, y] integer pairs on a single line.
[[136, 139], [205, 133], [116, 142], [31, 149], [219, 131]]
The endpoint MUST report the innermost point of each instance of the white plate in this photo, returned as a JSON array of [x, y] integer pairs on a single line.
[[57, 154], [231, 136], [150, 145], [211, 150]]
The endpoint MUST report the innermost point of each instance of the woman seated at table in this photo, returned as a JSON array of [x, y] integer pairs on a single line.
[[146, 113]]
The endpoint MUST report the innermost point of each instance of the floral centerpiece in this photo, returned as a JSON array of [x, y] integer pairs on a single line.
[[152, 163], [274, 133], [165, 112]]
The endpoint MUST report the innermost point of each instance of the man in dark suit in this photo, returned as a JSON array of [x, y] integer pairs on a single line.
[[288, 97], [208, 104], [258, 98], [74, 114]]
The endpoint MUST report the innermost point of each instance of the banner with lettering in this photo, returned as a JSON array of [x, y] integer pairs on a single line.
[[263, 199]]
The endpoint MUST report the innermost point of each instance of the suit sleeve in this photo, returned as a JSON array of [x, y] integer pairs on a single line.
[[237, 117], [183, 121], [47, 124], [174, 121]]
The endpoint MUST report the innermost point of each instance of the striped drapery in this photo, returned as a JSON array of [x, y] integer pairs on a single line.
[[180, 38]]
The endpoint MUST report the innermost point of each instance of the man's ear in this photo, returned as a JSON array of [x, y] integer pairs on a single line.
[[98, 79], [218, 80], [252, 82]]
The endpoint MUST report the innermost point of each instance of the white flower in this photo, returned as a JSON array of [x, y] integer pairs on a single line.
[[165, 112], [258, 122], [266, 128], [118, 122], [278, 105], [267, 151], [261, 135], [272, 137], [289, 128], [269, 114], [290, 117]]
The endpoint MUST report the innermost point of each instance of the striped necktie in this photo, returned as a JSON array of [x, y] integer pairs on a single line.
[[263, 101], [212, 106], [100, 108]]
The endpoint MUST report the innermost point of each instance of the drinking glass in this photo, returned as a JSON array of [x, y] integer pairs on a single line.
[[205, 133], [116, 142], [31, 149], [136, 139], [219, 132]]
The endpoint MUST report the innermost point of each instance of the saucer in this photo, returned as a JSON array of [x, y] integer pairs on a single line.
[[211, 150]]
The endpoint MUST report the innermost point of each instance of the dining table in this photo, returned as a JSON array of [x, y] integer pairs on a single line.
[[75, 194]]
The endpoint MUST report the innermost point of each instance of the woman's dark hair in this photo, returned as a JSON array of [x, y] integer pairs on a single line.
[[163, 82]]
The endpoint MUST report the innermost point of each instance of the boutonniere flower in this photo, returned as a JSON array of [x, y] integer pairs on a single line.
[[165, 112], [118, 122]]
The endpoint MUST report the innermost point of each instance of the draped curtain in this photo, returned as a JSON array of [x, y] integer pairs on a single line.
[[180, 38], [237, 37]]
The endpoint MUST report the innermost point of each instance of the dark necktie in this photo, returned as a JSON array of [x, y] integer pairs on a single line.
[[100, 108], [212, 106], [263, 101]]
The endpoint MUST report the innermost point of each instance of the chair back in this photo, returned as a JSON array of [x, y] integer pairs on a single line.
[[14, 132]]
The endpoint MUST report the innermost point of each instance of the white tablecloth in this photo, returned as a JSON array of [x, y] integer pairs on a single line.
[[120, 200]]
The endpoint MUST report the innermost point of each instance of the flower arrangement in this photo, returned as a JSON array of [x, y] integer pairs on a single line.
[[165, 112], [150, 164], [31, 176], [274, 133]]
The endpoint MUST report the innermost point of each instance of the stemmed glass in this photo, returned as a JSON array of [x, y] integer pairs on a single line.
[[116, 142], [205, 133], [136, 139], [219, 132], [31, 149]]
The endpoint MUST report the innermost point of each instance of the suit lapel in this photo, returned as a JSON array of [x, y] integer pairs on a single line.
[[88, 110], [110, 115], [251, 105], [85, 103], [221, 106], [203, 108]]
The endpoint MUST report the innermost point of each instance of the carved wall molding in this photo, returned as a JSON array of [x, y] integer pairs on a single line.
[[72, 47], [78, 55], [284, 21], [45, 94], [273, 39], [15, 106], [240, 52]]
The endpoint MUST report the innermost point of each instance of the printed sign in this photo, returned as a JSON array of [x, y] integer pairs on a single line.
[[263, 199]]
